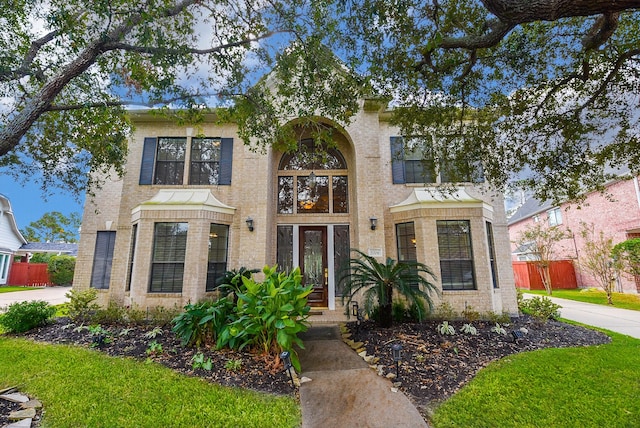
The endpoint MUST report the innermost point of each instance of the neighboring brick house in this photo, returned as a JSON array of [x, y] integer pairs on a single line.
[[616, 213], [190, 208]]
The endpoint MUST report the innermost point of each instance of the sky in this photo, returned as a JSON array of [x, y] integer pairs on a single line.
[[28, 203]]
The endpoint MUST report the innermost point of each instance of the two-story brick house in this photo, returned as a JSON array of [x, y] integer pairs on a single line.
[[616, 213], [195, 202]]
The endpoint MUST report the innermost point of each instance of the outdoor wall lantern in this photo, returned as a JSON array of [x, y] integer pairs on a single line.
[[250, 224], [374, 223], [396, 354], [286, 360]]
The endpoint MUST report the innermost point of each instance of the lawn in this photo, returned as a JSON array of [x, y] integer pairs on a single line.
[[571, 387], [82, 387], [10, 288], [594, 295]]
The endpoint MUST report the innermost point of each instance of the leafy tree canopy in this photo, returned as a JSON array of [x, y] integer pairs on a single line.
[[543, 90], [53, 227]]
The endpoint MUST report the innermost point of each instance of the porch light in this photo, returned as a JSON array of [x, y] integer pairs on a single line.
[[250, 224], [312, 180], [285, 356], [396, 354], [374, 223]]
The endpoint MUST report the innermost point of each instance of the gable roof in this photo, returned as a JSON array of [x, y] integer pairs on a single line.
[[531, 207], [7, 212]]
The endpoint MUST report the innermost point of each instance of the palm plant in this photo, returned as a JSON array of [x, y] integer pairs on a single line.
[[379, 280]]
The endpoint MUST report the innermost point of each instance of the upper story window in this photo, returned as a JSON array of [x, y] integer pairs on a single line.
[[311, 181], [164, 159], [412, 161], [555, 217]]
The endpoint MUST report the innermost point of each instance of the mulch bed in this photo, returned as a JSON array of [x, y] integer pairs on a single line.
[[434, 366]]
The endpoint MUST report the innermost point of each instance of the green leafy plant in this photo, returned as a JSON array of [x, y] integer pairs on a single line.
[[495, 317], [99, 336], [445, 328], [201, 323], [154, 348], [541, 308], [60, 269], [23, 316], [161, 315], [135, 315], [231, 281], [444, 311], [199, 362], [81, 304], [152, 334], [233, 365], [125, 332], [469, 314], [378, 281], [269, 315], [628, 253], [498, 329], [469, 329]]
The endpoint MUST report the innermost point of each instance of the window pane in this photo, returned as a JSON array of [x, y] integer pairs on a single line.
[[218, 245], [340, 194], [169, 248], [341, 254], [285, 195], [132, 250], [406, 242], [205, 161], [456, 256], [419, 171], [170, 161], [307, 157], [285, 248], [492, 255], [313, 195]]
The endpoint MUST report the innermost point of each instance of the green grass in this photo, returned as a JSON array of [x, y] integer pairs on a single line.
[[594, 295], [10, 288], [83, 388], [571, 387]]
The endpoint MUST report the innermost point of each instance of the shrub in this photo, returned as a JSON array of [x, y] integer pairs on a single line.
[[61, 269], [23, 316], [200, 323], [470, 315], [112, 314], [541, 308], [81, 304], [135, 315], [270, 314], [445, 311], [494, 317], [40, 258], [162, 316]]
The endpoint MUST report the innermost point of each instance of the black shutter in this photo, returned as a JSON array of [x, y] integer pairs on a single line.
[[102, 259], [148, 158], [226, 157], [397, 160]]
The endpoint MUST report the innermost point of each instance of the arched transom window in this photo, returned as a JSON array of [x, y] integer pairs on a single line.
[[312, 182]]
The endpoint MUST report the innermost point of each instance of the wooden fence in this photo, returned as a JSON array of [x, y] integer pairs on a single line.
[[563, 275], [31, 274]]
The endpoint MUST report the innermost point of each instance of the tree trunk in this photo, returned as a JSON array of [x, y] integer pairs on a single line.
[[386, 311]]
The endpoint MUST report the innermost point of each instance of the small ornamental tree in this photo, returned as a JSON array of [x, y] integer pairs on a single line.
[[597, 261], [542, 240]]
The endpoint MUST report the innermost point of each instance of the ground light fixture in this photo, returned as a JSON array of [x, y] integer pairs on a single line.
[[374, 223], [396, 354], [285, 356], [250, 224], [516, 334], [354, 308]]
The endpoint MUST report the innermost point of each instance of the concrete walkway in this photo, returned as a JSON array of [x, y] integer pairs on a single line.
[[624, 321], [344, 391], [53, 295]]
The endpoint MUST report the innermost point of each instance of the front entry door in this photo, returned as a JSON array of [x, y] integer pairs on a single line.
[[313, 263]]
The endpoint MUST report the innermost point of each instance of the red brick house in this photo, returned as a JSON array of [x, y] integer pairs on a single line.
[[615, 212]]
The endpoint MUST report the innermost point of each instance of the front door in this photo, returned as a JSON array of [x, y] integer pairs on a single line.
[[313, 263]]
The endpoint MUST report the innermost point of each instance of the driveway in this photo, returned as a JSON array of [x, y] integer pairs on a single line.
[[53, 295], [624, 321]]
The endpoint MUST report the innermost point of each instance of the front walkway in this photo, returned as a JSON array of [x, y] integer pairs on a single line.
[[624, 321], [53, 295], [344, 391]]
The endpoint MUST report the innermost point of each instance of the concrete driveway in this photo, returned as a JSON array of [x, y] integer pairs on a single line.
[[624, 321], [53, 295]]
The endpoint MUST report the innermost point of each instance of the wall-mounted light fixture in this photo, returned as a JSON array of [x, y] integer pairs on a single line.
[[374, 223], [250, 224]]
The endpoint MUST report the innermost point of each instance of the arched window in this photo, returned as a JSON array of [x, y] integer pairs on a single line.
[[316, 180]]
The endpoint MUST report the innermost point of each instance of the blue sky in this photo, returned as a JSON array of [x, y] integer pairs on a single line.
[[29, 204]]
